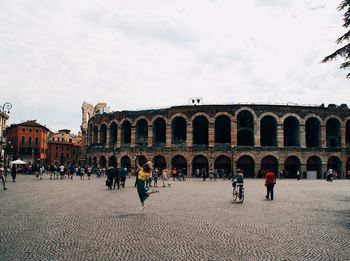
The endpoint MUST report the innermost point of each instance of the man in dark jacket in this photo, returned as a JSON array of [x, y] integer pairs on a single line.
[[109, 181], [270, 181], [116, 177]]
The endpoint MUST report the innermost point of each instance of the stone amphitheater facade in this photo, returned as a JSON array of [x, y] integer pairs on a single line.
[[251, 137]]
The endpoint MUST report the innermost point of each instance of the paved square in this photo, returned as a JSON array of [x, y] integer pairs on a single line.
[[192, 220]]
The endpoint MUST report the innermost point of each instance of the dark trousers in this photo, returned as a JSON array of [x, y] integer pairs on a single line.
[[3, 181], [116, 181], [269, 188]]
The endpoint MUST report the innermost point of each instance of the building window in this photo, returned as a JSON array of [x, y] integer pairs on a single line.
[[36, 130], [53, 139], [23, 130], [56, 147], [67, 148], [73, 151], [30, 140], [30, 130], [56, 155], [67, 156], [23, 139], [36, 141], [62, 148], [70, 140]]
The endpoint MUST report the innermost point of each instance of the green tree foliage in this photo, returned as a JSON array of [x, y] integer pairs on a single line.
[[345, 50]]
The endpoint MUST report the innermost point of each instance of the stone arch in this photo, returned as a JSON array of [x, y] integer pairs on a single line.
[[347, 132], [126, 132], [102, 162], [159, 131], [95, 135], [178, 130], [113, 132], [287, 115], [159, 161], [223, 129], [94, 162], [314, 163], [223, 164], [347, 168], [140, 118], [244, 108], [158, 117], [224, 113], [269, 114], [333, 132], [141, 132], [247, 164], [90, 134], [103, 133], [291, 132], [125, 162], [313, 132], [312, 115], [179, 161], [245, 128], [194, 116], [112, 161], [332, 116], [291, 166], [335, 163], [179, 115], [199, 162], [200, 130], [142, 160], [268, 162], [268, 131]]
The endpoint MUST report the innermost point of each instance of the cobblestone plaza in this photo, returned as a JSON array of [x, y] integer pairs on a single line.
[[192, 220]]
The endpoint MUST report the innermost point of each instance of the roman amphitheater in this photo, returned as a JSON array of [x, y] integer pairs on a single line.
[[251, 137]]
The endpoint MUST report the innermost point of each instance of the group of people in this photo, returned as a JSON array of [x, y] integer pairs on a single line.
[[3, 174], [116, 177]]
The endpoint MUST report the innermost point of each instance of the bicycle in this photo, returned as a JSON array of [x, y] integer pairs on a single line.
[[238, 194]]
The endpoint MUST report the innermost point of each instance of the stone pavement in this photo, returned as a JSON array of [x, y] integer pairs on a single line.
[[192, 220]]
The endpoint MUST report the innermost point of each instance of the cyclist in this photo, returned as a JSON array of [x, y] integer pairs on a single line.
[[238, 181]]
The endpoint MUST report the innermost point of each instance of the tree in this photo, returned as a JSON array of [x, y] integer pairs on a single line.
[[345, 50]]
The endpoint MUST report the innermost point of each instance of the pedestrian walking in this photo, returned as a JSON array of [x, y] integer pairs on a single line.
[[13, 173], [142, 188], [123, 173], [116, 177], [204, 173], [298, 175], [110, 176], [2, 173], [270, 181], [42, 172], [89, 172], [155, 177], [165, 177]]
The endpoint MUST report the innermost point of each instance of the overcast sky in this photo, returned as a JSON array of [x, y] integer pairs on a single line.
[[136, 54]]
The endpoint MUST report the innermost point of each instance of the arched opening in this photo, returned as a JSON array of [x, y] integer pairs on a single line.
[[245, 129], [159, 162], [333, 133], [141, 132], [95, 135], [179, 162], [113, 133], [291, 132], [125, 162], [178, 130], [347, 133], [113, 161], [126, 133], [102, 162], [223, 165], [142, 160], [200, 131], [94, 162], [268, 131], [268, 162], [199, 162], [223, 129], [334, 163], [159, 130], [314, 168], [103, 134], [348, 168], [90, 135], [313, 133], [247, 164], [291, 166]]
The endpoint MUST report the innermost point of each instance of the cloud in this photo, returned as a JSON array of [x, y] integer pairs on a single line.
[[138, 54]]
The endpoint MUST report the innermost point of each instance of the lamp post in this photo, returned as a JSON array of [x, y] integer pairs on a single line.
[[4, 110]]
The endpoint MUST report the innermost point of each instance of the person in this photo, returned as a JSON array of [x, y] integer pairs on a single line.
[[238, 181], [155, 177], [42, 172], [298, 175], [13, 172], [2, 172], [165, 177], [110, 176], [123, 173], [204, 173], [270, 181], [116, 177], [281, 174], [142, 189], [174, 173], [61, 171], [329, 175], [89, 172]]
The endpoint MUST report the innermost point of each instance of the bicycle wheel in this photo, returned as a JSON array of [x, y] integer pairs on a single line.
[[235, 195], [242, 198]]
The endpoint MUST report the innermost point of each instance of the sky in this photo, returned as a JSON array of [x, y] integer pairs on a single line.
[[141, 54]]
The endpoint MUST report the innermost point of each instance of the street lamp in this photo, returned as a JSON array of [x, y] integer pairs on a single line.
[[4, 110]]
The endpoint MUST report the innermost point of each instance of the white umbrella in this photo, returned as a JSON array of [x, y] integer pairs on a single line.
[[18, 162]]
